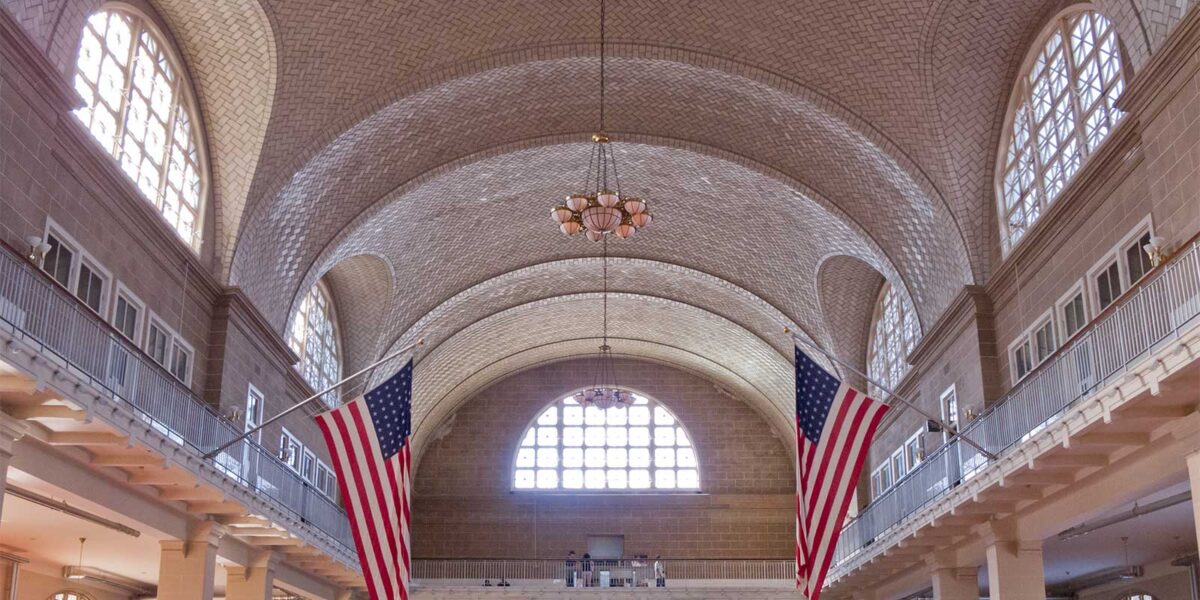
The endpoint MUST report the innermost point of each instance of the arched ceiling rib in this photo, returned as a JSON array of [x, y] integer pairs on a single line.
[[638, 325], [418, 138]]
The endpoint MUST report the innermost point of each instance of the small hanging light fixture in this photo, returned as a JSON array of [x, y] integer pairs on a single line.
[[605, 391]]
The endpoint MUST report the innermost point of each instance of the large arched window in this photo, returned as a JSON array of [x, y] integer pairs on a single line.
[[642, 447], [894, 334], [1061, 110], [314, 338], [138, 105], [70, 595]]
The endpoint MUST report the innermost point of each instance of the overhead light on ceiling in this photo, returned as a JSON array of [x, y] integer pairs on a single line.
[[599, 209], [93, 575]]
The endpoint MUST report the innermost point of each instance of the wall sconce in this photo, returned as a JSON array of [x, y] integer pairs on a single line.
[[37, 250], [971, 414], [234, 415], [1156, 250]]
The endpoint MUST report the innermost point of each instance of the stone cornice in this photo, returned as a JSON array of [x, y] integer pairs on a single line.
[[1158, 81], [1100, 175], [31, 63]]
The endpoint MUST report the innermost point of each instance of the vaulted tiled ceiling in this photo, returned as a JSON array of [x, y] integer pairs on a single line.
[[782, 143]]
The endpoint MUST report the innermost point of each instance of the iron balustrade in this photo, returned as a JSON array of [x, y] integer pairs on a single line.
[[67, 332], [1140, 323], [639, 570]]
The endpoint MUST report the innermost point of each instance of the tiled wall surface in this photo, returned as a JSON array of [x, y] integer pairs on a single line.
[[465, 507]]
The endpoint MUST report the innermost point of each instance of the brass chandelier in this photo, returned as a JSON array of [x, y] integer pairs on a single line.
[[599, 209]]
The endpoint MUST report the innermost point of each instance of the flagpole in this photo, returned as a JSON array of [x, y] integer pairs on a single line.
[[292, 409], [954, 433]]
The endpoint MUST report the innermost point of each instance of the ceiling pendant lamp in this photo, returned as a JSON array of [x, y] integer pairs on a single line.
[[605, 392], [598, 209]]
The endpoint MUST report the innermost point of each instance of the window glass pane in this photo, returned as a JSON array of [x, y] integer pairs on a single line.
[[593, 416], [572, 436], [664, 479], [88, 287], [639, 415], [894, 335], [594, 436], [685, 457], [179, 366], [617, 416], [530, 438], [594, 457], [594, 479], [617, 479], [664, 436], [572, 415], [639, 479], [550, 417], [525, 457], [618, 457], [547, 458], [664, 457], [639, 457], [617, 436], [639, 436], [57, 261], [547, 436], [572, 479], [547, 479], [662, 417], [688, 478], [572, 457], [313, 338]]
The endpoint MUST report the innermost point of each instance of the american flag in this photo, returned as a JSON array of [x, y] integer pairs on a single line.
[[368, 441], [834, 427]]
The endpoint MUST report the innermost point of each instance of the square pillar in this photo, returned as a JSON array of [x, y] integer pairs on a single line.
[[956, 583], [186, 568], [11, 430], [253, 581], [1193, 464], [1015, 570]]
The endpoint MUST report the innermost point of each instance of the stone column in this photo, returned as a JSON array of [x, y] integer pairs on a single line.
[[11, 430], [956, 583], [253, 581], [1193, 464], [186, 568], [1015, 570]]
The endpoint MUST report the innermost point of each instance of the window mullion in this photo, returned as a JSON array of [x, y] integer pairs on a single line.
[[135, 29], [172, 116], [1073, 94]]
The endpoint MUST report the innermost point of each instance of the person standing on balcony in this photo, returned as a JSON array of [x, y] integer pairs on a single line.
[[586, 563], [660, 572], [570, 569]]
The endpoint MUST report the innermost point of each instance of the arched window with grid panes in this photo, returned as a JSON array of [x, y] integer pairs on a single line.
[[314, 338], [70, 595], [894, 334], [1061, 109], [138, 105], [640, 448]]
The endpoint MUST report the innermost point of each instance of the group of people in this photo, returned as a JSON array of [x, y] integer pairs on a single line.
[[581, 570]]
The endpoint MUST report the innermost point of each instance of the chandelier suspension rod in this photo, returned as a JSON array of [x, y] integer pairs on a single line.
[[602, 20]]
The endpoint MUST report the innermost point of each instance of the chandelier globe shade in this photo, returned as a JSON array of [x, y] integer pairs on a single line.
[[601, 218]]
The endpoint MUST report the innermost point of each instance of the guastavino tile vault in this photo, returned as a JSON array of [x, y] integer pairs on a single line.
[[212, 211]]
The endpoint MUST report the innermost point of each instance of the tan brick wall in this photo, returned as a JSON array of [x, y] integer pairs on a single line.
[[464, 506]]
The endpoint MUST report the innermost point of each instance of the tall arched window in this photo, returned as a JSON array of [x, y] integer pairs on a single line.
[[70, 595], [642, 447], [1061, 109], [138, 105], [894, 334], [314, 338]]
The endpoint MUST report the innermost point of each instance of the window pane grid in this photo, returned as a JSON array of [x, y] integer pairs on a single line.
[[1067, 102], [639, 448], [135, 108], [314, 339], [895, 335]]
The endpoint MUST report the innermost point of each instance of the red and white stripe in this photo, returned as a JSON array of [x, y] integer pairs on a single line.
[[376, 493], [827, 473]]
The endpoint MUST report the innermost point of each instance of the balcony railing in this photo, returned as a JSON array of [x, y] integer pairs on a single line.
[[1143, 321], [623, 571], [40, 311]]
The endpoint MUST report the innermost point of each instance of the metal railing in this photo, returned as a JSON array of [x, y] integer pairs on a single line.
[[66, 331], [1140, 323], [626, 572]]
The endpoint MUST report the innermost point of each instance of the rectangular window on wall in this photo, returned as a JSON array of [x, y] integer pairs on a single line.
[[1022, 358], [899, 465], [290, 450], [125, 316], [308, 467], [181, 362], [326, 480], [1108, 285], [158, 343], [58, 261], [1043, 338], [1136, 259], [1073, 315], [89, 287], [913, 452]]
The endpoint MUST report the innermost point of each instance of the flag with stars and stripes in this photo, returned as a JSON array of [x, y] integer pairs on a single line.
[[368, 442], [835, 424]]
